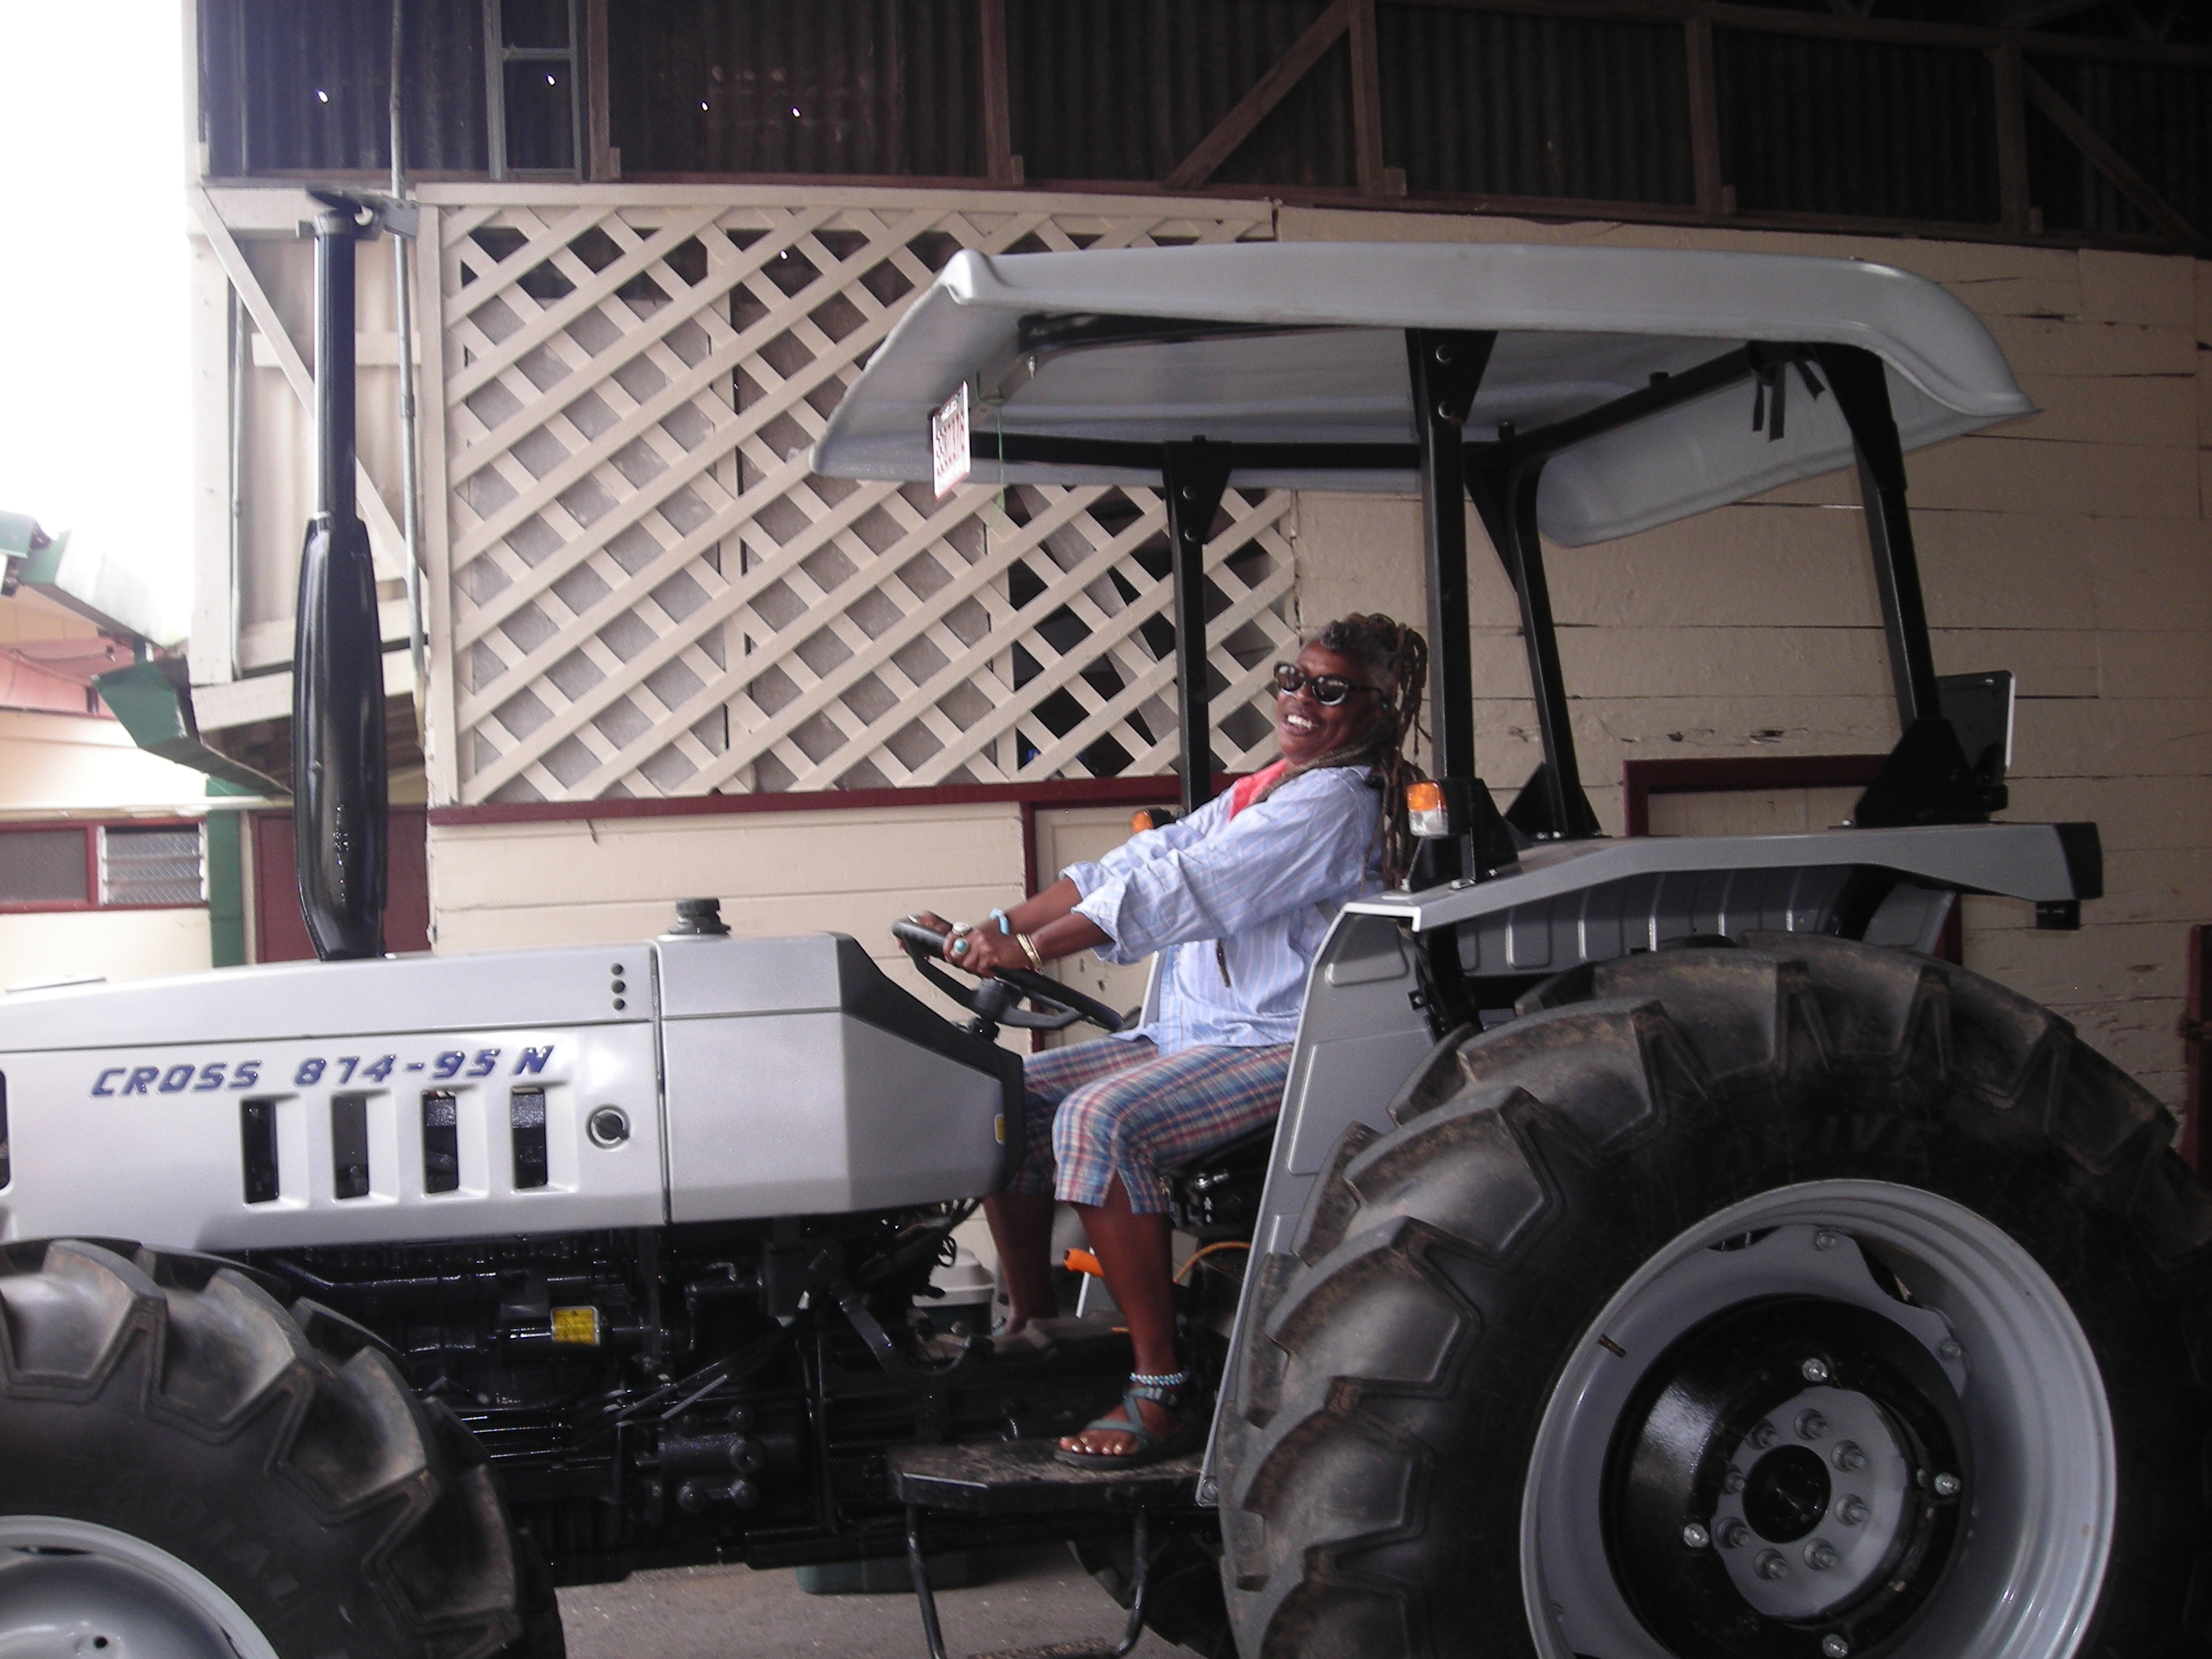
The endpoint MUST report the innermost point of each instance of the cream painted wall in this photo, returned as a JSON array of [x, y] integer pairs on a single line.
[[503, 886], [57, 764], [2073, 547], [107, 944]]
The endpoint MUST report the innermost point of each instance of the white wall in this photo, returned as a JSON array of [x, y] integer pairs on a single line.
[[108, 944]]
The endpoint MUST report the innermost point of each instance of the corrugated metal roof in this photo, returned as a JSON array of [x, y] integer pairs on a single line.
[[1490, 103], [1474, 103], [868, 87], [291, 87], [1863, 128]]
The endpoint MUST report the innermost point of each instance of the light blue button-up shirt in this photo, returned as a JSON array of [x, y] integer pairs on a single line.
[[1264, 886]]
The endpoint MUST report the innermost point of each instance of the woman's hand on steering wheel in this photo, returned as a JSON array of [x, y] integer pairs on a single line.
[[986, 949]]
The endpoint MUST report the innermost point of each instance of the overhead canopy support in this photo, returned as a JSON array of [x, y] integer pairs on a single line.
[[1193, 476]]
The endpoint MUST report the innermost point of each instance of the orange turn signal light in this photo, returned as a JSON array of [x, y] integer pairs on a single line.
[[1425, 797], [1141, 820]]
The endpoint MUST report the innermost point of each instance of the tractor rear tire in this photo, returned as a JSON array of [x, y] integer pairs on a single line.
[[188, 1467], [1804, 1298]]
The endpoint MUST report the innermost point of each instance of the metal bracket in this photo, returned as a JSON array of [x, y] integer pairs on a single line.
[[367, 212]]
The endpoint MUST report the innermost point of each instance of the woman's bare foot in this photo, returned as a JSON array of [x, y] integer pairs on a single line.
[[1100, 1439]]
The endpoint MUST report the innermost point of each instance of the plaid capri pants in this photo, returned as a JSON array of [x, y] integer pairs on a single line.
[[1116, 1107]]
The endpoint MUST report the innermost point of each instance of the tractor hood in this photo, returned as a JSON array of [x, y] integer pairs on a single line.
[[1303, 345]]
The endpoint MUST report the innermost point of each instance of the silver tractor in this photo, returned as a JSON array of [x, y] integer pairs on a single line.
[[1660, 1253]]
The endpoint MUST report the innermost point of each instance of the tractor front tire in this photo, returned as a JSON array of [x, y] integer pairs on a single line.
[[1792, 1301], [187, 1467]]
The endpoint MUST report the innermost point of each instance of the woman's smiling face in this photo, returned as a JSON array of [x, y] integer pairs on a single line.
[[1305, 730]]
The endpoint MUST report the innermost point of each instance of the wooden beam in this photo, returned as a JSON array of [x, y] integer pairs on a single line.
[[2106, 159], [1705, 116], [384, 532], [2011, 115], [600, 157], [998, 111], [1255, 105], [1367, 100], [1826, 26]]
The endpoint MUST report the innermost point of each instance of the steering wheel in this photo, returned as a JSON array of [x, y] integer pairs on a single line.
[[996, 1000]]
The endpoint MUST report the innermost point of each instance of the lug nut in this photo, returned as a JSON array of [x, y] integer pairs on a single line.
[[1734, 1535], [1814, 1371], [1950, 1348], [1853, 1512], [1820, 1555], [1765, 1436], [1695, 1536], [1732, 1480], [1835, 1647], [1771, 1564], [1946, 1486], [1825, 1240], [1847, 1457], [1811, 1426]]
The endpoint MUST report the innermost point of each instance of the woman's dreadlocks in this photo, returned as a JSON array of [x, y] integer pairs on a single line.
[[1395, 660]]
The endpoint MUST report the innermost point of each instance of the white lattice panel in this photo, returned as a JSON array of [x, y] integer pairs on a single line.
[[649, 594]]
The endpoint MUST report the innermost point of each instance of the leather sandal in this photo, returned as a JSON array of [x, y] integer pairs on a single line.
[[1177, 1391]]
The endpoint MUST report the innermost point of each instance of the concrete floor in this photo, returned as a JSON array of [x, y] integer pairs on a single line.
[[1029, 1597]]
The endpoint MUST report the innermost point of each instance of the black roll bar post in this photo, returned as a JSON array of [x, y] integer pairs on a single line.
[[1552, 806], [1192, 478], [1862, 389], [1926, 778], [1446, 367]]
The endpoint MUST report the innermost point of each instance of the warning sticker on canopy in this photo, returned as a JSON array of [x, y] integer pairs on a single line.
[[948, 442]]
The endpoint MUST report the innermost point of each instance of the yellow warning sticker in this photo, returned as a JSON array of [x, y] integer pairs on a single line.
[[579, 1325]]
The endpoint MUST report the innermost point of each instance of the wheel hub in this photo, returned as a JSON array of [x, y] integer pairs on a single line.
[[1917, 1359], [1797, 1436], [1805, 1527]]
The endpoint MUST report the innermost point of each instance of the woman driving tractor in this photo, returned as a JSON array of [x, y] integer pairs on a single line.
[[1242, 892]]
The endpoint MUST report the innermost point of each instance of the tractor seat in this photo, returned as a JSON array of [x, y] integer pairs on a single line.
[[1217, 1194]]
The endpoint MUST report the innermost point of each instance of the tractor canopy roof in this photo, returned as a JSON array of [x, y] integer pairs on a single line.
[[1081, 365]]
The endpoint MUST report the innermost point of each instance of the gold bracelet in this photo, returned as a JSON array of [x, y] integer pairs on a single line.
[[1029, 946]]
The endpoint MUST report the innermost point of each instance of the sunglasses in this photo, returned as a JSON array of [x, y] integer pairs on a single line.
[[1329, 690]]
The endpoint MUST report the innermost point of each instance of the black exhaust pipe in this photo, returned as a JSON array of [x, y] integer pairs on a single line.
[[338, 774]]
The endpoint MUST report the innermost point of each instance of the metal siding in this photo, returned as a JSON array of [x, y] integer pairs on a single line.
[[880, 87], [1127, 88], [1498, 104], [2160, 120], [1848, 127], [263, 61]]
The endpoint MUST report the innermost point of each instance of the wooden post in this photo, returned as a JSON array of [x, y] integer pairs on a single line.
[[998, 112], [2193, 1057], [1705, 116], [1367, 101], [602, 161], [2011, 111]]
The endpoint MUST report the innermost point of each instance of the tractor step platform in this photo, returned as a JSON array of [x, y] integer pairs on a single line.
[[1023, 1477]]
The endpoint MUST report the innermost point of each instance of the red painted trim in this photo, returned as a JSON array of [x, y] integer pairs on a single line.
[[1640, 780], [1060, 792]]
